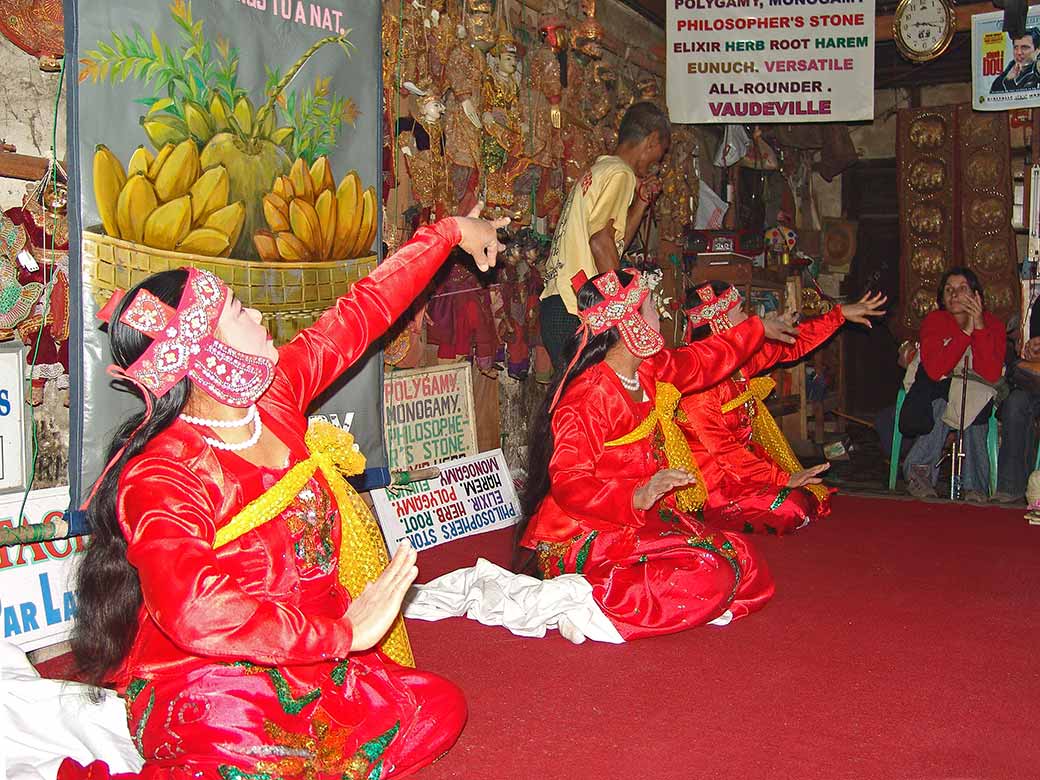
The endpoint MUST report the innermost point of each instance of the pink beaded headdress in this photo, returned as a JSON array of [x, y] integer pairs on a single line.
[[184, 344], [713, 310], [618, 309]]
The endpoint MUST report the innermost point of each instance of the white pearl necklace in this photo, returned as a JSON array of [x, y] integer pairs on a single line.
[[250, 414], [258, 428], [251, 417], [628, 382]]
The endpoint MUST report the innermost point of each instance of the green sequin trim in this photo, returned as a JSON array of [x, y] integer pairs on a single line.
[[642, 559], [234, 773], [293, 705], [748, 528], [727, 551], [583, 553], [139, 733], [781, 496], [134, 688], [339, 672], [375, 748], [377, 771]]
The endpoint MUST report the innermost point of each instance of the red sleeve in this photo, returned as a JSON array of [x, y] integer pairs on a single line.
[[580, 428], [988, 347], [942, 344], [192, 594], [811, 334], [318, 355], [707, 362], [706, 420]]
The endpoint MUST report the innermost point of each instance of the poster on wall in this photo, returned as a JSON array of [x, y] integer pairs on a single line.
[[242, 138], [1003, 71], [36, 588], [754, 61], [471, 496]]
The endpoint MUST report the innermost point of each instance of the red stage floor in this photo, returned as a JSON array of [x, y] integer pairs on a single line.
[[903, 642]]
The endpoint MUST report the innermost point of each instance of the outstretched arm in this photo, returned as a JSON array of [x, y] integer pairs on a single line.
[[707, 362], [318, 355]]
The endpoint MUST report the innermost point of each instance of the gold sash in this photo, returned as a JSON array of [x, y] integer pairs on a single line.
[[362, 553], [676, 448], [767, 433], [764, 430]]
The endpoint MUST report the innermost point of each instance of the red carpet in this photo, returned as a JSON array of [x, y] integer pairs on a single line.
[[903, 642]]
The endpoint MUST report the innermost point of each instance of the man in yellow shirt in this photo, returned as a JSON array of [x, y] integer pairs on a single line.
[[600, 218]]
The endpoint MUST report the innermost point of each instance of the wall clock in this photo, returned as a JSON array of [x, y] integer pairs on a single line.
[[923, 28]]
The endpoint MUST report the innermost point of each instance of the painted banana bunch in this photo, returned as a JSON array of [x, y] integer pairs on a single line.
[[311, 218], [202, 123], [167, 201]]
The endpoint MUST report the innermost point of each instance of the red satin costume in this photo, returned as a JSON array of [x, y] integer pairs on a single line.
[[652, 572], [747, 491], [241, 667]]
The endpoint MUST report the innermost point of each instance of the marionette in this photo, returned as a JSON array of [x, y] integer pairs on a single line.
[[463, 81], [45, 331]]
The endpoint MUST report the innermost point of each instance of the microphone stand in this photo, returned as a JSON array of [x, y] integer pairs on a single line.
[[957, 465]]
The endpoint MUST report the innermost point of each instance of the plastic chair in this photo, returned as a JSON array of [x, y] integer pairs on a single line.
[[992, 443]]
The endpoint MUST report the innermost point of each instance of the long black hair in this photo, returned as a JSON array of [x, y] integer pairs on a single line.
[[108, 590], [540, 442], [692, 299]]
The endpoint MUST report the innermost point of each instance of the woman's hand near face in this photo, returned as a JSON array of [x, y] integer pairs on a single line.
[[973, 307]]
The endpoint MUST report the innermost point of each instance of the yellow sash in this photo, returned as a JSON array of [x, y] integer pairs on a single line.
[[767, 433], [676, 448], [362, 553]]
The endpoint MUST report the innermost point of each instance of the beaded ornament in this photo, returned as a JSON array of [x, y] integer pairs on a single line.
[[184, 344]]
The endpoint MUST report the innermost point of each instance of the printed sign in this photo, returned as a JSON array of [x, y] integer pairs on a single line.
[[12, 424], [428, 415], [1003, 71], [36, 590], [471, 496], [754, 61]]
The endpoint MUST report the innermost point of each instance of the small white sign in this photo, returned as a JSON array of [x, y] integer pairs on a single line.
[[12, 420], [37, 599], [472, 495]]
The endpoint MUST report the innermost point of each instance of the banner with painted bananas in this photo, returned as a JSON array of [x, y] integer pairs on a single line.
[[241, 137]]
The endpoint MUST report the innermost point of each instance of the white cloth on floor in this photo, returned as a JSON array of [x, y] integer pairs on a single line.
[[44, 721], [525, 605]]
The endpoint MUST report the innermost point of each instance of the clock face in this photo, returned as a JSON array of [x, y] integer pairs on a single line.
[[923, 26]]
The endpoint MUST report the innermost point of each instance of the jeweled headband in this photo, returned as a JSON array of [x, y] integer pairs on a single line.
[[713, 310], [184, 344]]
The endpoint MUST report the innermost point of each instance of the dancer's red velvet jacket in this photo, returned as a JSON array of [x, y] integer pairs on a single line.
[[241, 655], [652, 571], [746, 488]]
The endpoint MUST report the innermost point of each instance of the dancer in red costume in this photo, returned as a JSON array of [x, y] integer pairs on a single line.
[[217, 614], [599, 500], [754, 483]]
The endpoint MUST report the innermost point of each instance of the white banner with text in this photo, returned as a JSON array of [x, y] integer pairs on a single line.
[[754, 61]]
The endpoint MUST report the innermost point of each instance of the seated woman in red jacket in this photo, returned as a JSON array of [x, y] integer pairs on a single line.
[[223, 592], [599, 500], [752, 480], [960, 331]]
